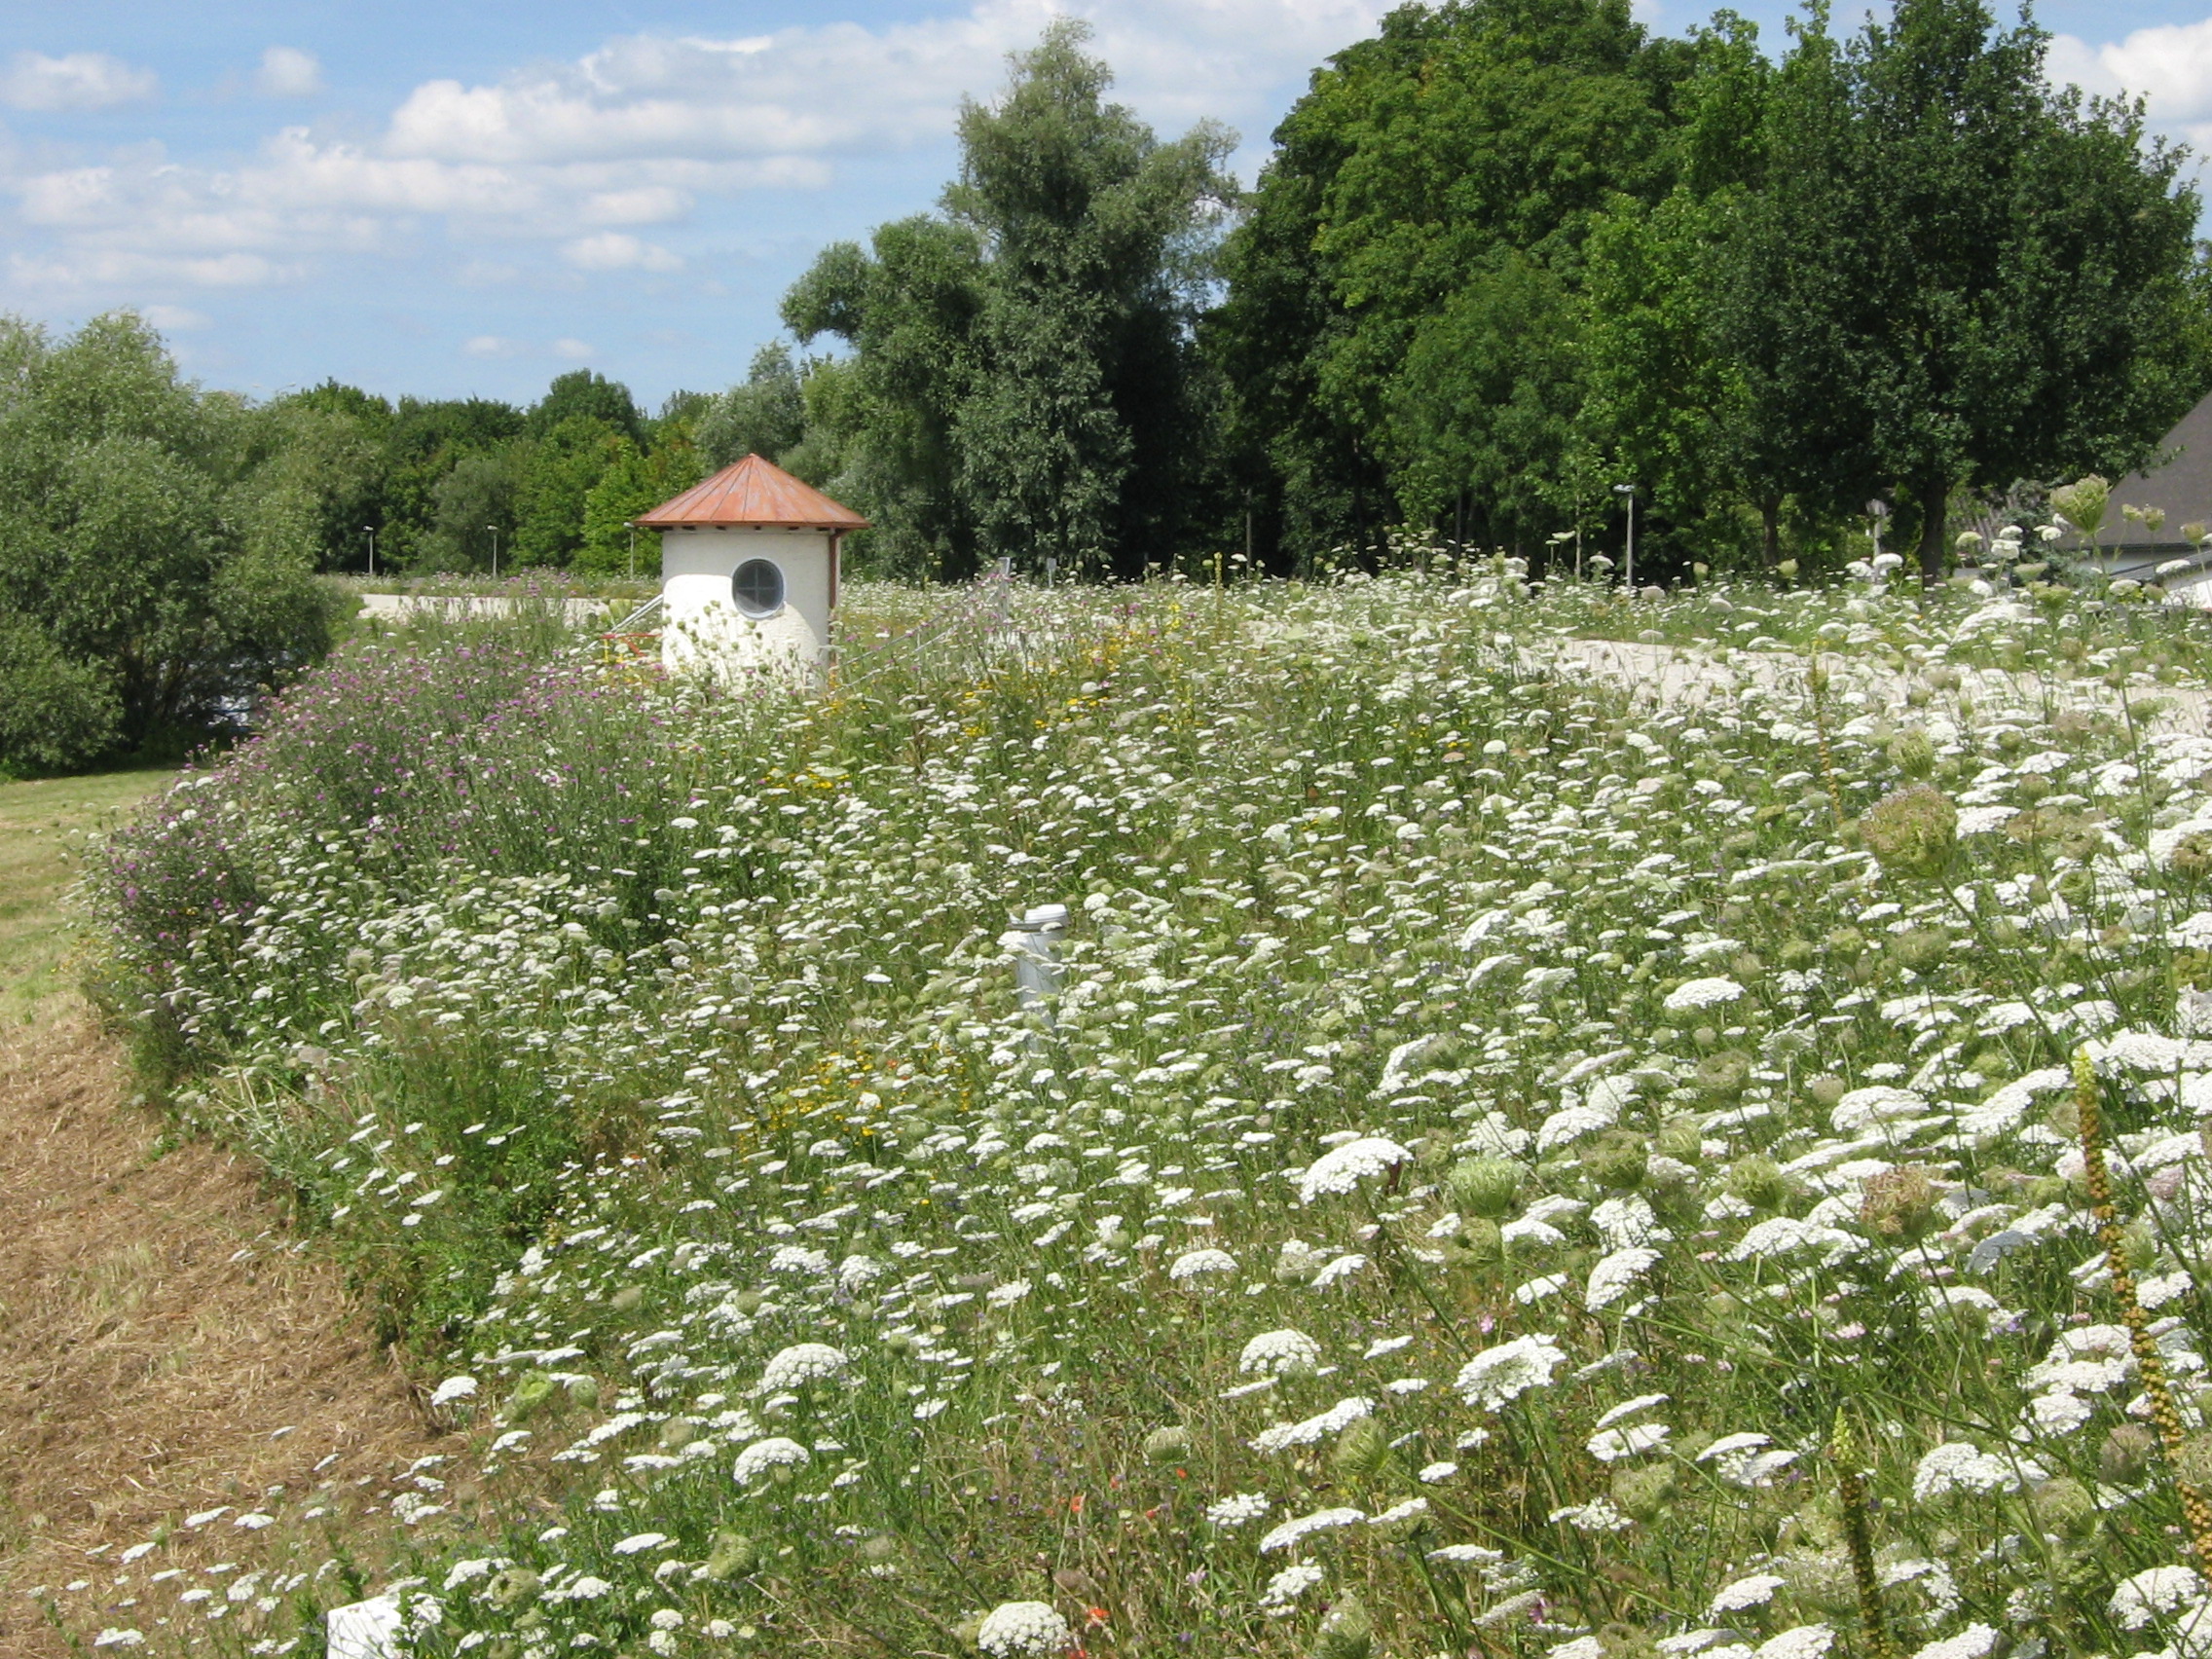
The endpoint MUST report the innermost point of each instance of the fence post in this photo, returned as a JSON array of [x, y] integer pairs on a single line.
[[1035, 941]]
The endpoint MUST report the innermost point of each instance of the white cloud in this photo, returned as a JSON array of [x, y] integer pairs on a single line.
[[2171, 66], [74, 81], [176, 320], [570, 161], [287, 72], [840, 86], [119, 269], [614, 250], [489, 346], [575, 350]]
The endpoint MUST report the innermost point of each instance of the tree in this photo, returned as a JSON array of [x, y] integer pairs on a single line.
[[555, 477], [908, 305], [763, 415], [424, 443], [1957, 275], [155, 569], [473, 509], [1403, 320], [328, 447], [1024, 363], [1076, 430], [584, 394], [635, 482]]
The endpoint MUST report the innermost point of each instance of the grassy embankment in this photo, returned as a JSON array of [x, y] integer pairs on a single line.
[[40, 825]]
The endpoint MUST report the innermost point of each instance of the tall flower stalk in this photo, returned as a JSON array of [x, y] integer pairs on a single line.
[[2197, 1511]]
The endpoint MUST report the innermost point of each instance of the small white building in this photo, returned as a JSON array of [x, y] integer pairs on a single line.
[[749, 573]]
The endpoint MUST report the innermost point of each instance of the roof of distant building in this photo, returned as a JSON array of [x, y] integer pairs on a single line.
[[751, 493]]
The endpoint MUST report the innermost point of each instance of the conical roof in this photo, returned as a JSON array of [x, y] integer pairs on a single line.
[[754, 494]]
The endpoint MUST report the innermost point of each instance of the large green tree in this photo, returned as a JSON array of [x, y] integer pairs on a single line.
[[1402, 328], [1026, 361], [764, 413], [156, 567], [1955, 275]]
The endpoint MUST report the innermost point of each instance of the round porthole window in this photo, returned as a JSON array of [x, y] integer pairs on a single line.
[[758, 587]]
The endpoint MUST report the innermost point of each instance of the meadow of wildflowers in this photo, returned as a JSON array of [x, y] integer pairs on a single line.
[[1510, 1168]]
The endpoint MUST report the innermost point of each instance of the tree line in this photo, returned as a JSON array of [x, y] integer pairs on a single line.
[[1504, 257]]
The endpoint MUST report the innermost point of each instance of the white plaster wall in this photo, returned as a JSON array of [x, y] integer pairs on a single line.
[[702, 630]]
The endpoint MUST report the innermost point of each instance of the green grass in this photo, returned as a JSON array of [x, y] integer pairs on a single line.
[[42, 825]]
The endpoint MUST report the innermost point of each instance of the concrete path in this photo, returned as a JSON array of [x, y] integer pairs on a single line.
[[1675, 675], [580, 611]]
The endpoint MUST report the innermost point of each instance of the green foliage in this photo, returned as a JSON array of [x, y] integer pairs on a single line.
[[557, 480], [156, 558], [1025, 364], [762, 415], [634, 481], [1416, 247], [473, 509], [584, 394], [1955, 275], [54, 712]]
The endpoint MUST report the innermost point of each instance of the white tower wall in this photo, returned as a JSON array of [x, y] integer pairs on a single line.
[[703, 629]]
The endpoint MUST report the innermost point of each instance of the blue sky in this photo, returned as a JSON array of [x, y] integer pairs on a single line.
[[472, 195]]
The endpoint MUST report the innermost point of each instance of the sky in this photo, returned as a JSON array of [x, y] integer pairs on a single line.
[[468, 196]]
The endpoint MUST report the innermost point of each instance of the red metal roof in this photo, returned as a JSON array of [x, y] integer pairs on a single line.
[[752, 492]]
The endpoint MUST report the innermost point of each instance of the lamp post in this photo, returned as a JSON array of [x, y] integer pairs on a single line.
[[1628, 570], [372, 530], [494, 529]]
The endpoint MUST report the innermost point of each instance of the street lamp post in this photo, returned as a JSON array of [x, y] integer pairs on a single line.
[[494, 529], [1628, 571], [372, 530]]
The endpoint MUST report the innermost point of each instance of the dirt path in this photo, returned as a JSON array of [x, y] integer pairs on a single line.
[[164, 1347]]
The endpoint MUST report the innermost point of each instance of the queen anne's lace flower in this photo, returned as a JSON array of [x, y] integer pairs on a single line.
[[1292, 1582], [1342, 1169], [1957, 1467], [1805, 1641], [803, 1363], [1694, 994], [1018, 1630], [1278, 1353], [1502, 1375], [1201, 1264], [2152, 1593], [1973, 1642], [1756, 1591], [763, 1457], [1614, 1276], [1289, 1533], [1334, 1420], [1237, 1511]]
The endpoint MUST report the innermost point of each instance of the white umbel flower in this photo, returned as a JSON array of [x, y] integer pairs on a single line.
[[1694, 994], [1195, 1265], [803, 1363], [1018, 1630], [765, 1457], [1498, 1376], [1342, 1169], [2152, 1593], [1236, 1511], [1279, 1354]]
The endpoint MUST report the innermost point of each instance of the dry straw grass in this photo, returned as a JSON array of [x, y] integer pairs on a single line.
[[156, 1335]]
